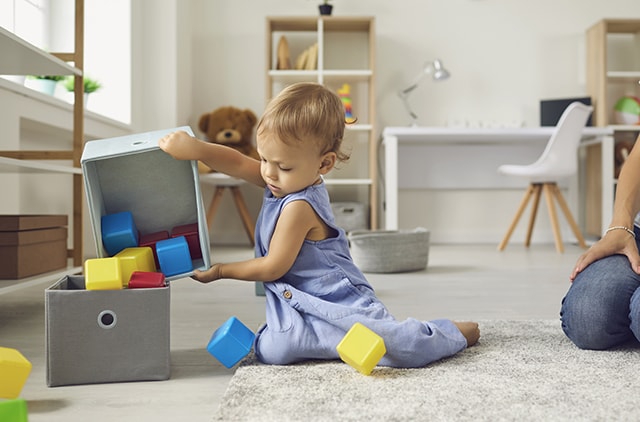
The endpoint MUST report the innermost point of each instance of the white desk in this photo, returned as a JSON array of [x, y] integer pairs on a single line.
[[490, 138]]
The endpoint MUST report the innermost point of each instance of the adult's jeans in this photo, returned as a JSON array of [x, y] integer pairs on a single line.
[[602, 307]]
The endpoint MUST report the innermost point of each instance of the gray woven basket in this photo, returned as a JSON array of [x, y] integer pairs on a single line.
[[350, 215], [390, 251]]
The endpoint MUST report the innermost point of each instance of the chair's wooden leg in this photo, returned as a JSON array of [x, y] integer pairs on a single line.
[[213, 205], [537, 190], [548, 194], [568, 216], [514, 222], [244, 213]]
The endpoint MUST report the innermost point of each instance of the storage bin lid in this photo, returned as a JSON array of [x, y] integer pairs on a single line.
[[28, 237], [19, 222]]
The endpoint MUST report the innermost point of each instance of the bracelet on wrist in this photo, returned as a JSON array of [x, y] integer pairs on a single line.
[[627, 229]]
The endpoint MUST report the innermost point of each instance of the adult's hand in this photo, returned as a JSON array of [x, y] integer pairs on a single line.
[[615, 242]]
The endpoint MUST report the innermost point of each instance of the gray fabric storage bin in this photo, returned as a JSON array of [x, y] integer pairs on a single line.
[[390, 251], [131, 173], [99, 336], [350, 215]]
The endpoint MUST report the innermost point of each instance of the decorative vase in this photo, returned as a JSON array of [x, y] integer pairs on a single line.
[[46, 86], [325, 9]]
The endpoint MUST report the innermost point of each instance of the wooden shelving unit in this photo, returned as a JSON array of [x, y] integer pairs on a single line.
[[613, 71], [25, 59], [345, 55], [613, 65]]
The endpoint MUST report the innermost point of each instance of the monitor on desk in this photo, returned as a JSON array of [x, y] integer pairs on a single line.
[[551, 110]]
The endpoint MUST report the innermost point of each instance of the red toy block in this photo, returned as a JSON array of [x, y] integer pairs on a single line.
[[151, 239], [146, 280], [190, 232]]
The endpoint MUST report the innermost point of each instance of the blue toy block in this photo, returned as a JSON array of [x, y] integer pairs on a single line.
[[118, 232], [231, 342], [13, 411], [173, 256]]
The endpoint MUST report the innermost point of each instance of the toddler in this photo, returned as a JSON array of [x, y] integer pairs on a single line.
[[314, 291]]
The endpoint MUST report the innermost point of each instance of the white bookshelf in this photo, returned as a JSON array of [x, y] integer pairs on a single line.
[[22, 58], [346, 55]]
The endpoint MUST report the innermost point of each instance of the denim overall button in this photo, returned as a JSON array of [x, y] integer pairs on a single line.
[[287, 294]]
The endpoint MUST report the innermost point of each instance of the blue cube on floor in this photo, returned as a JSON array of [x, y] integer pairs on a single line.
[[118, 232], [173, 256], [231, 342]]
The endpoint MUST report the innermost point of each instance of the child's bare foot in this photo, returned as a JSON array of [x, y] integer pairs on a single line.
[[469, 330]]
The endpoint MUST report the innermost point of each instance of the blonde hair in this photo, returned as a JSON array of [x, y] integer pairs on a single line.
[[306, 111]]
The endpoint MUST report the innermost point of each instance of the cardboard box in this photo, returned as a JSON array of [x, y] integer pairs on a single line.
[[131, 173], [107, 335], [32, 244]]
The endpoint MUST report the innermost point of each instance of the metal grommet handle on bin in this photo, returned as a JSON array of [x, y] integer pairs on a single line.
[[107, 319]]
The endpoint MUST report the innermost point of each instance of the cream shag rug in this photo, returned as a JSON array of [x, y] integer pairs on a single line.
[[519, 370]]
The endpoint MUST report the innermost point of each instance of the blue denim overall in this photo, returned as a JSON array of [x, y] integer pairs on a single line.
[[310, 308]]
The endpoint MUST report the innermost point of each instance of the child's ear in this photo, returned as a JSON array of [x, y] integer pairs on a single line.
[[328, 162]]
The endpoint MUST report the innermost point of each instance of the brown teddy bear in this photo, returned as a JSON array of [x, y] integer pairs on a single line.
[[229, 126]]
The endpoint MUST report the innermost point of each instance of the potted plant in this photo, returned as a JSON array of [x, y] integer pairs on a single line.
[[89, 85], [44, 83], [325, 8]]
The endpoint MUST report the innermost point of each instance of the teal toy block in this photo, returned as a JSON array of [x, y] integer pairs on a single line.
[[118, 232], [13, 411], [231, 342], [174, 256]]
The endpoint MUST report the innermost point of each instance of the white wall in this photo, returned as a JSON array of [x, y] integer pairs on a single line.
[[504, 56]]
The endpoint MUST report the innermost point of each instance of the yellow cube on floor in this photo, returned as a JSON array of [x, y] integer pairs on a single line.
[[361, 348], [14, 371], [135, 259], [102, 274]]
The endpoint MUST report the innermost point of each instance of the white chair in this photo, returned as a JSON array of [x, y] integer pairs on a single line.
[[559, 160], [222, 182]]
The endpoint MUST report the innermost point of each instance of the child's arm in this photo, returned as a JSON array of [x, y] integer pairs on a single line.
[[182, 146], [297, 222]]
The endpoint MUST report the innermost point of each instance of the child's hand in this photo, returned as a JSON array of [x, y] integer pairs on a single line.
[[469, 330], [212, 274], [180, 145]]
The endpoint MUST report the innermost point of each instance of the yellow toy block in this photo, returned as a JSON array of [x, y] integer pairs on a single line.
[[102, 274], [14, 371], [361, 348], [135, 259]]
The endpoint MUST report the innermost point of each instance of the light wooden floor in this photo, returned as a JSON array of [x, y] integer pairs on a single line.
[[461, 282]]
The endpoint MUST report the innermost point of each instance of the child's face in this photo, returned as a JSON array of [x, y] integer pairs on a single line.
[[290, 168]]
